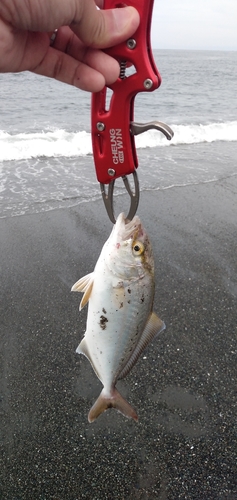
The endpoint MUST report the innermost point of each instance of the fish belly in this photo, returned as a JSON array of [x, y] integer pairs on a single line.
[[116, 319]]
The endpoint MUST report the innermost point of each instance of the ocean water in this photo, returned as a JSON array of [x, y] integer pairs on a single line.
[[46, 157]]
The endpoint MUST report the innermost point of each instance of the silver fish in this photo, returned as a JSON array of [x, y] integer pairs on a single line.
[[120, 321]]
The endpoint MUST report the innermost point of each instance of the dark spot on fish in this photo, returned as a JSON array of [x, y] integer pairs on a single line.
[[142, 299], [121, 305], [103, 310], [103, 321], [129, 290], [129, 301]]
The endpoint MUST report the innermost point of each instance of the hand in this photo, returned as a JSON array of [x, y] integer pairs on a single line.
[[75, 57]]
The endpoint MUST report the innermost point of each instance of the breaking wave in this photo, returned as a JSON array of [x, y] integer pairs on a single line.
[[60, 143]]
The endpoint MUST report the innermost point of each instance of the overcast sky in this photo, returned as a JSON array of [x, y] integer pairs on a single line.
[[194, 24]]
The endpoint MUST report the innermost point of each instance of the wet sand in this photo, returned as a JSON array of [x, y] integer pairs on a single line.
[[183, 387]]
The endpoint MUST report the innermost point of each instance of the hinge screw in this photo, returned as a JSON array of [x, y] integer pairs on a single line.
[[148, 83], [100, 126], [111, 172], [131, 43]]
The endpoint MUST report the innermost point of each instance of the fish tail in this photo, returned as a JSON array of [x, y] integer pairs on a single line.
[[113, 400]]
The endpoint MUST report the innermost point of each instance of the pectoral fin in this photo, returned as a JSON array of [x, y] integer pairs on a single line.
[[153, 327], [85, 285]]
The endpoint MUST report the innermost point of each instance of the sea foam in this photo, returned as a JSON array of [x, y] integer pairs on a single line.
[[60, 143]]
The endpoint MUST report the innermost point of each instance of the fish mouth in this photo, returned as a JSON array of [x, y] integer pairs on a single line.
[[127, 229]]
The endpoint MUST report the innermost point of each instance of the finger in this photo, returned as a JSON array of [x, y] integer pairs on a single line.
[[105, 28], [100, 3], [105, 64], [98, 28], [65, 68], [66, 41]]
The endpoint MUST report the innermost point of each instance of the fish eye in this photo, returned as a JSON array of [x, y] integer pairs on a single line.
[[138, 248]]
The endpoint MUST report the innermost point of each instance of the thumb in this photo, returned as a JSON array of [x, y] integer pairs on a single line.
[[105, 28]]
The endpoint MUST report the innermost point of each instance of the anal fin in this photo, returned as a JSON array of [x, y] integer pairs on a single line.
[[83, 349], [153, 327]]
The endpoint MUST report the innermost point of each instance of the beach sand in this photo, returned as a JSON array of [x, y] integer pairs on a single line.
[[183, 387]]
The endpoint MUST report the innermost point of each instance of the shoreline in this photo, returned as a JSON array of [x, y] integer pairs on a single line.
[[183, 387]]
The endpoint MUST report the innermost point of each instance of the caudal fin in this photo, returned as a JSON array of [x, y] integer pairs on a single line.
[[114, 400]]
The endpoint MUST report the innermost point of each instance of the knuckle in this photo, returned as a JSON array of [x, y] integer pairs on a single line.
[[97, 33], [58, 67], [70, 44]]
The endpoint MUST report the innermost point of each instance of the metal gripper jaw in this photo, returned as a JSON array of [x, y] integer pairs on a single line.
[[134, 192]]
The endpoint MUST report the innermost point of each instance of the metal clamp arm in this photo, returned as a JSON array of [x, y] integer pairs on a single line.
[[113, 145], [112, 125]]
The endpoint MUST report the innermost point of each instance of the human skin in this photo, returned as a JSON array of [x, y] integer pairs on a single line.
[[75, 57]]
